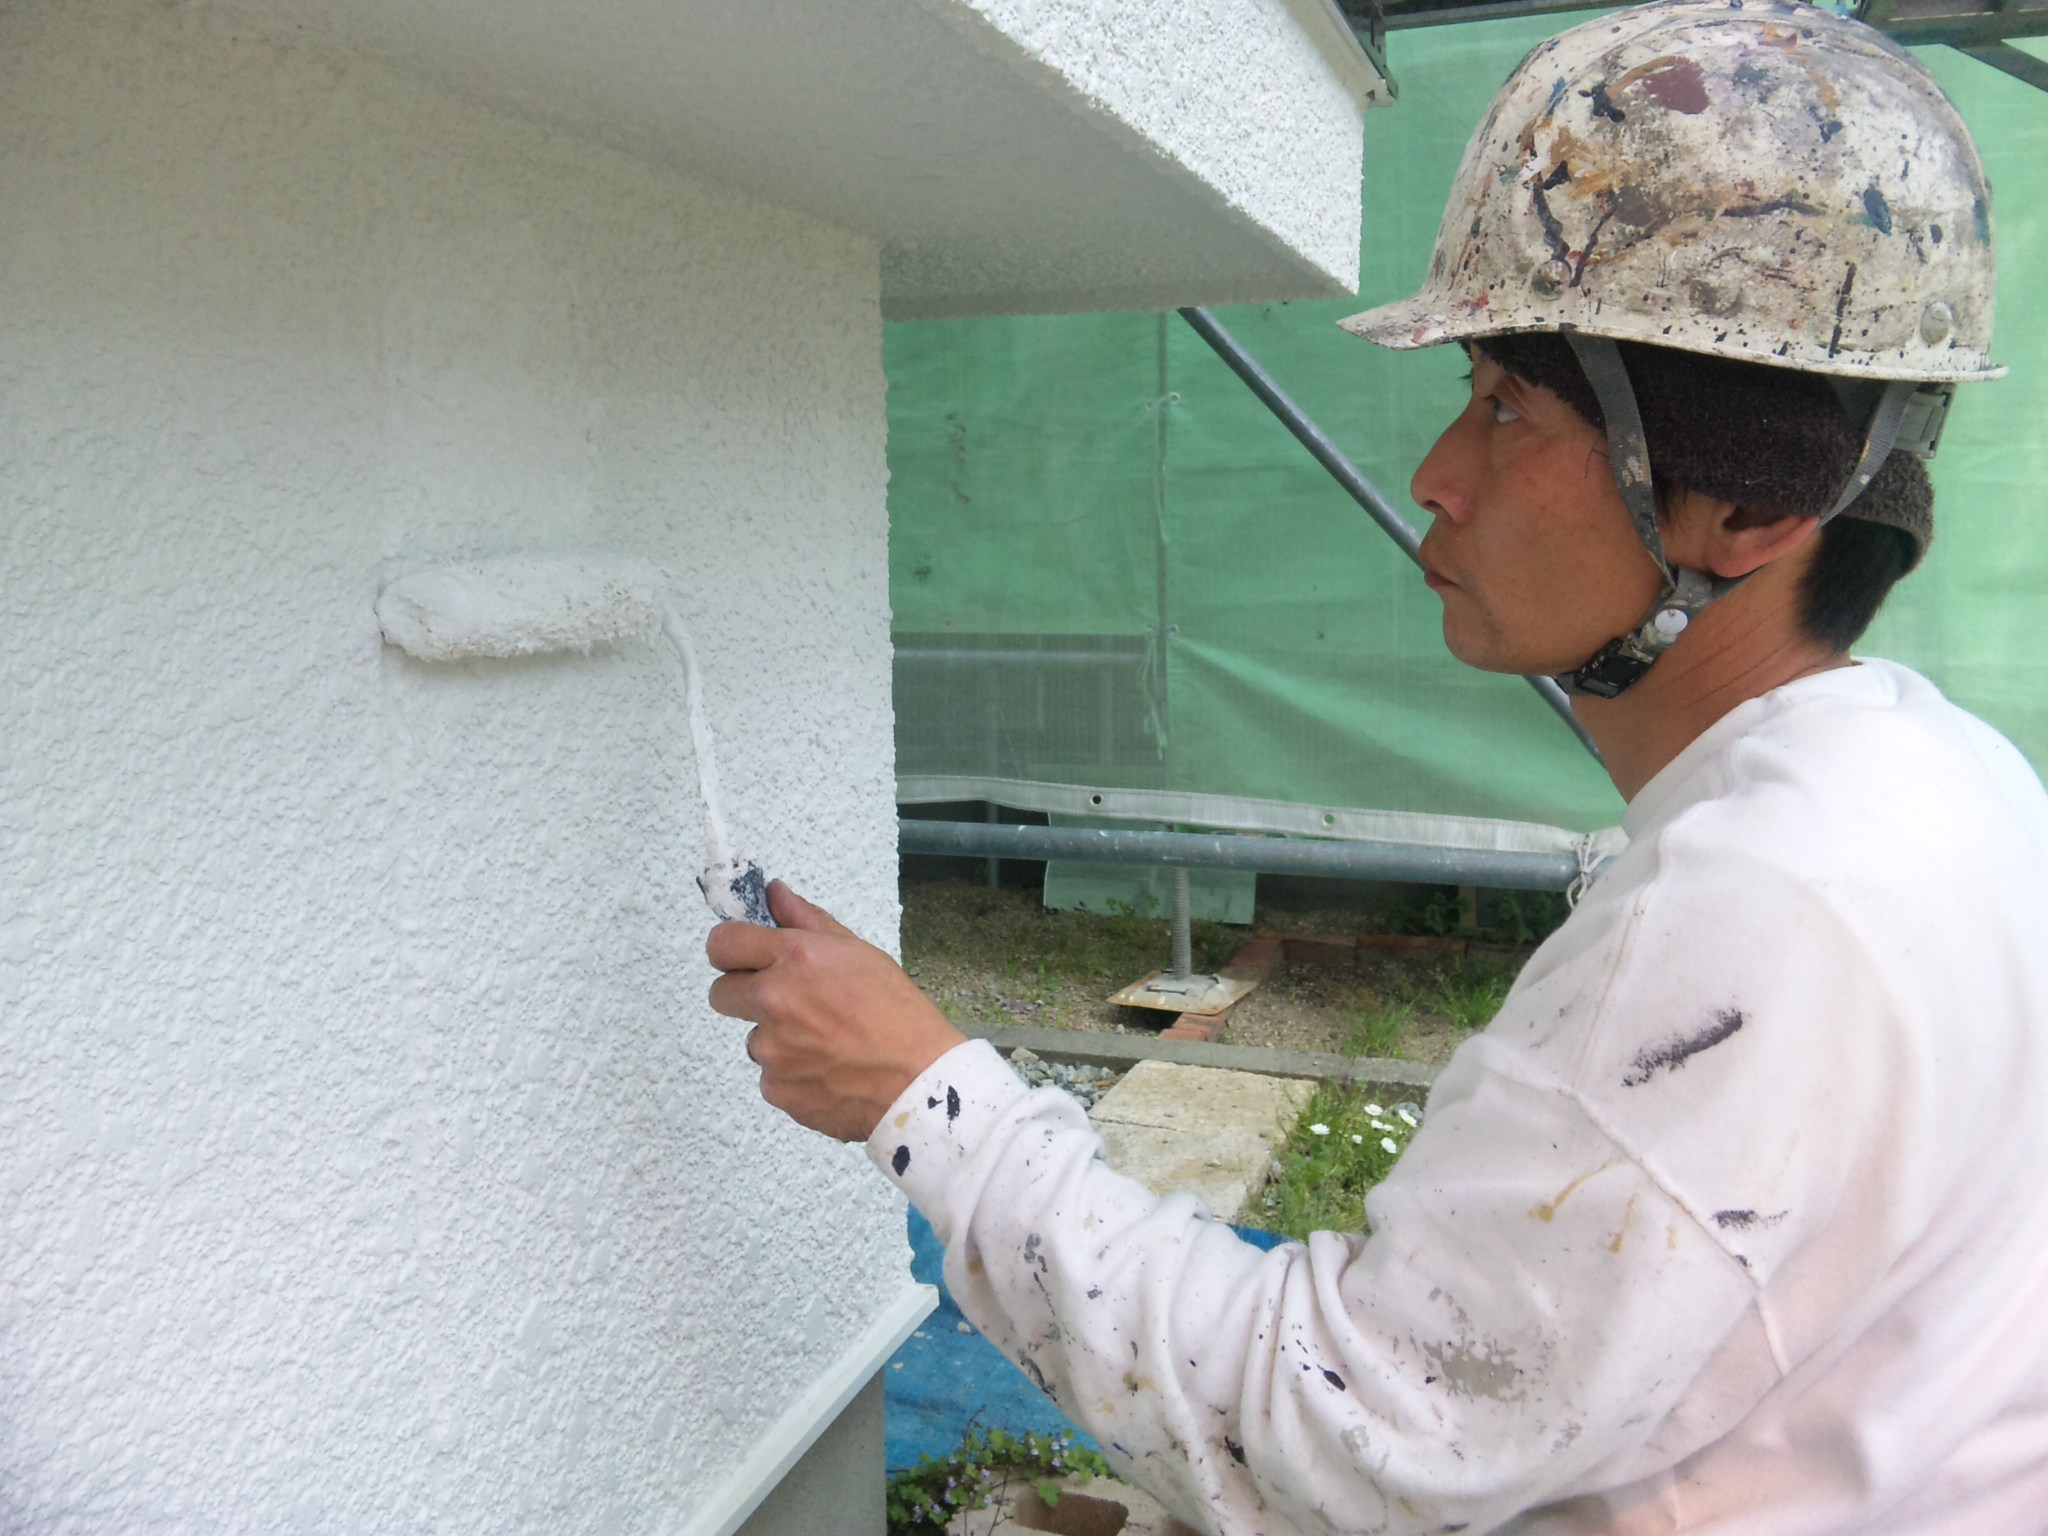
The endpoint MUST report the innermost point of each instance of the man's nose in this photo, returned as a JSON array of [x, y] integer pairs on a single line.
[[1438, 484]]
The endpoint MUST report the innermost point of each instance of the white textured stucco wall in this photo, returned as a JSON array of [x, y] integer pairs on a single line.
[[369, 1159]]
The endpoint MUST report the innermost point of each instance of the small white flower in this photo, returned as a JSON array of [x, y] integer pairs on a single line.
[[1389, 1145], [1358, 1141], [1374, 1109], [1381, 1125], [1319, 1129], [1408, 1115]]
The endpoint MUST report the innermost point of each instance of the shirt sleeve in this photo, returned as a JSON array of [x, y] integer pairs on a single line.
[[1518, 1328]]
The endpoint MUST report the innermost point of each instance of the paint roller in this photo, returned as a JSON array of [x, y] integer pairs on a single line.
[[539, 605]]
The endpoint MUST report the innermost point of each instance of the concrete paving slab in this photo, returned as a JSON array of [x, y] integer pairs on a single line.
[[1222, 1168], [1173, 1097], [1204, 1129]]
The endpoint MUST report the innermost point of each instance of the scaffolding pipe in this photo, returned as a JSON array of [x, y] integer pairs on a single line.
[[1183, 924], [1346, 860], [1350, 477]]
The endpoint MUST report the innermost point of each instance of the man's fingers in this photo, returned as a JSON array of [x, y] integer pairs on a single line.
[[747, 947], [841, 1029], [776, 1094], [742, 947], [792, 911], [738, 996]]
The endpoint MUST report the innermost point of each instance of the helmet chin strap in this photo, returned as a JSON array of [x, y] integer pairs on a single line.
[[1618, 665]]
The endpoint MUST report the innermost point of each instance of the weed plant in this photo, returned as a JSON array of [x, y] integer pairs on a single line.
[[1466, 991], [1344, 1143], [988, 1462], [1375, 1026], [1429, 909], [1529, 917], [1510, 917]]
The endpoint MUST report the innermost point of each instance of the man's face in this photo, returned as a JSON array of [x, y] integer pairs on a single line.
[[1531, 550]]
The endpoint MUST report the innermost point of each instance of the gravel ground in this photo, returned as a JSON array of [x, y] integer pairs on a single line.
[[1085, 1083], [1318, 1008], [997, 956]]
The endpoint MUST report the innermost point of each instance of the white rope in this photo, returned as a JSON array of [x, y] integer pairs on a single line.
[[1590, 858]]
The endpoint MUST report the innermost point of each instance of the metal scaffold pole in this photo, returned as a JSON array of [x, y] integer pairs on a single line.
[[1183, 925], [1343, 859], [1349, 476]]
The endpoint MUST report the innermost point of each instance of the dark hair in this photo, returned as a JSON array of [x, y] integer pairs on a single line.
[[1773, 441]]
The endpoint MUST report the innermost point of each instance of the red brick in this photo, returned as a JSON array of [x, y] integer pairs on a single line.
[[1255, 959], [1411, 944], [1322, 951]]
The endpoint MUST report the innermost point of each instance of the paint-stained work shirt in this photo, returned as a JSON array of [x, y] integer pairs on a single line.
[[1735, 1219]]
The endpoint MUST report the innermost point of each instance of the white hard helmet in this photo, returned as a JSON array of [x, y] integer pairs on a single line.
[[1751, 178], [1758, 180]]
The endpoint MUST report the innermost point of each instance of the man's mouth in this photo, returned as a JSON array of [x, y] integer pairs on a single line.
[[1432, 573]]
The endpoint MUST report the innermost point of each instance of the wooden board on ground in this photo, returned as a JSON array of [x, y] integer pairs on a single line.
[[1185, 994]]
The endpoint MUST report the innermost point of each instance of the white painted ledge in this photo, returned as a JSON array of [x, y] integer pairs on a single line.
[[798, 1427], [1007, 156]]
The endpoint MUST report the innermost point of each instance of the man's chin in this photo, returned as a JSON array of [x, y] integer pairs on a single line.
[[1486, 655]]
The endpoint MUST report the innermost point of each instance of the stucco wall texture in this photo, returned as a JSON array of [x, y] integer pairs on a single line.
[[369, 1158]]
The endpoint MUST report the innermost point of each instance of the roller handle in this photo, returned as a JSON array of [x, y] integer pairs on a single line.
[[737, 891]]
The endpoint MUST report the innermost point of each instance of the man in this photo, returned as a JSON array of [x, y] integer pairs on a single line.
[[1735, 1219]]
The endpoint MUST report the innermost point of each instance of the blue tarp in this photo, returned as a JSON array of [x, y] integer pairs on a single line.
[[943, 1381]]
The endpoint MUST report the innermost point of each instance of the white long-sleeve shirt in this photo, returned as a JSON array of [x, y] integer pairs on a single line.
[[1734, 1220]]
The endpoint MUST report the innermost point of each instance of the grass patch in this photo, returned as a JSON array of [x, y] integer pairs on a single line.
[[1467, 991], [1344, 1143], [1375, 1027]]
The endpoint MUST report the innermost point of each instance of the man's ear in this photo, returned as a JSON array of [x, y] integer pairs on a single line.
[[1708, 534]]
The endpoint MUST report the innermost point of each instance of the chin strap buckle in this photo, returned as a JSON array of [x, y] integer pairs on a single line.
[[1620, 664]]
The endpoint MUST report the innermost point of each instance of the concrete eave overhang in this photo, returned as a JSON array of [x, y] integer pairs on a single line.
[[1009, 156]]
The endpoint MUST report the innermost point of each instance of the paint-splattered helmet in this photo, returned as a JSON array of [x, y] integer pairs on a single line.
[[1749, 178], [1758, 180]]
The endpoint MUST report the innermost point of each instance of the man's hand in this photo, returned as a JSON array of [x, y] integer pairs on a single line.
[[842, 1031]]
